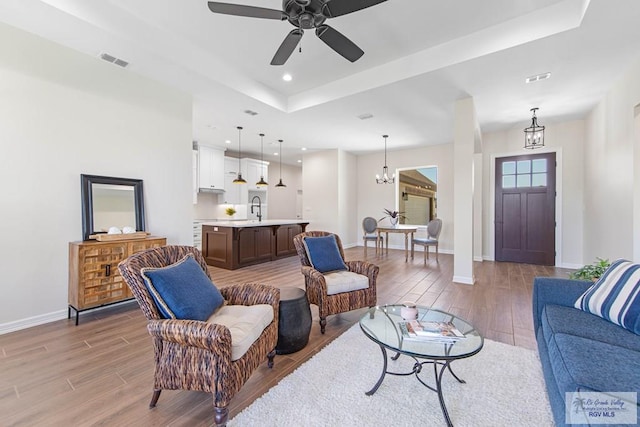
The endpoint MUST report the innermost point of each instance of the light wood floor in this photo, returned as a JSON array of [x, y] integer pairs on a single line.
[[100, 372]]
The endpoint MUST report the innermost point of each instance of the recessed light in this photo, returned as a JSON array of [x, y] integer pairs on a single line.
[[303, 149], [227, 142], [275, 154], [299, 161], [287, 77]]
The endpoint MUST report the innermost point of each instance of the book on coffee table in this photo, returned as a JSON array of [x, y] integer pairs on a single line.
[[426, 330]]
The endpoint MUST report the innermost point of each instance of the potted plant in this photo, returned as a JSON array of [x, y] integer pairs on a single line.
[[592, 271], [393, 216], [230, 211]]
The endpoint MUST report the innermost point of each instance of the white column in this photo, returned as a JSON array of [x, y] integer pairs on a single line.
[[465, 125]]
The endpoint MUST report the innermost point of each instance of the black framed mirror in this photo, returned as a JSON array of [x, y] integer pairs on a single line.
[[111, 202]]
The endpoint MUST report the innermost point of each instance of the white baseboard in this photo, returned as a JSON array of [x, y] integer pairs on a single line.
[[464, 280], [29, 322], [570, 265], [478, 258]]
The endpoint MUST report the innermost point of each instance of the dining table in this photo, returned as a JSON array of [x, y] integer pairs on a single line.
[[398, 228]]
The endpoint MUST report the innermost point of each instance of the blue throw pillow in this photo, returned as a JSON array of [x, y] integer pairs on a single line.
[[183, 290], [323, 253], [615, 296]]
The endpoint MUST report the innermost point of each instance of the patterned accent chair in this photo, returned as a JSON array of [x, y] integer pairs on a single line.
[[316, 285], [434, 227], [195, 355]]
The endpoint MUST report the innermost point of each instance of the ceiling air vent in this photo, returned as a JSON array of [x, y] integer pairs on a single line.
[[110, 58], [365, 116], [538, 77]]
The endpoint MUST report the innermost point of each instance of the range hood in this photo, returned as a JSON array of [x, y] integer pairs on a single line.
[[211, 190]]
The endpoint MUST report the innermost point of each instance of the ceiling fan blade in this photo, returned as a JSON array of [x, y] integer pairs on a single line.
[[249, 11], [286, 48], [334, 8], [338, 42]]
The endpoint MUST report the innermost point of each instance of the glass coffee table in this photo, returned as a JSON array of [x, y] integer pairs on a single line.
[[380, 324]]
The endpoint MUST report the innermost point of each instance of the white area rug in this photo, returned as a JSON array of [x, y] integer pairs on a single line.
[[504, 387]]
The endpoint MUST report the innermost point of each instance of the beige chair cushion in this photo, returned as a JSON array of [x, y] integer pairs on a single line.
[[245, 322], [345, 281]]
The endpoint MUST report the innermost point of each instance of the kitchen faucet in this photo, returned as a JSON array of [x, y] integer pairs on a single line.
[[259, 205]]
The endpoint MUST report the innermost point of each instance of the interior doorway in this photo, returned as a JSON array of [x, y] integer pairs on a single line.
[[525, 191]]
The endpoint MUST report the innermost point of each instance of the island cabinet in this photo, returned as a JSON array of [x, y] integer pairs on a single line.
[[94, 278], [284, 240], [254, 245], [233, 246]]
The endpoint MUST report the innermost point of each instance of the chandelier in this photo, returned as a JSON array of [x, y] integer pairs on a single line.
[[384, 179], [534, 134]]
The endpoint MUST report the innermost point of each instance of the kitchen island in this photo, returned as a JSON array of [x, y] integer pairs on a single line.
[[236, 244]]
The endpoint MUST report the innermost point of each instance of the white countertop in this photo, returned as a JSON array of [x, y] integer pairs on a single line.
[[252, 222]]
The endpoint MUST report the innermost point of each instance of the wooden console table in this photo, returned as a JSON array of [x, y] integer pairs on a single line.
[[404, 229], [94, 278]]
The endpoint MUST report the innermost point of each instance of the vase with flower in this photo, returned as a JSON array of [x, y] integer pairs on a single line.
[[394, 216]]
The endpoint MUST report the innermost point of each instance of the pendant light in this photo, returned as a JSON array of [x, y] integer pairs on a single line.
[[239, 179], [280, 184], [262, 182], [385, 170], [534, 134]]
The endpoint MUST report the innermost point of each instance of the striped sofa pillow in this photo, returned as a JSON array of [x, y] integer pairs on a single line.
[[615, 296]]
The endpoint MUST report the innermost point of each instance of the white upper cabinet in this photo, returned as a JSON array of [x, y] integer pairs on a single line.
[[233, 192], [252, 170], [211, 168]]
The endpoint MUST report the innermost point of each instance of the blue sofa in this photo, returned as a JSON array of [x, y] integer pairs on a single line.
[[578, 350]]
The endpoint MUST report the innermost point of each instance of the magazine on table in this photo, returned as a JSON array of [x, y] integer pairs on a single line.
[[430, 331]]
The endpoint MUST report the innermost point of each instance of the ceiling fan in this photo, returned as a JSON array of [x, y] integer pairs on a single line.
[[304, 15]]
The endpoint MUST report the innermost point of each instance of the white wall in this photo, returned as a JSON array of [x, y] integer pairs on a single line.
[[282, 201], [348, 204], [329, 200], [320, 185], [611, 161], [567, 140], [63, 114], [374, 198]]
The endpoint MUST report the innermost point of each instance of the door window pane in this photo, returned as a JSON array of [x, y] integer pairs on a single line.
[[524, 180], [509, 181], [509, 168], [539, 180], [524, 166], [539, 165]]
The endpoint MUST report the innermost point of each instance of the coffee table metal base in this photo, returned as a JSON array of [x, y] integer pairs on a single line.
[[439, 366]]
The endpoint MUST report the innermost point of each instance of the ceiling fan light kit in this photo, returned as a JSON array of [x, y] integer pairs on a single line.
[[385, 179], [304, 15], [534, 134]]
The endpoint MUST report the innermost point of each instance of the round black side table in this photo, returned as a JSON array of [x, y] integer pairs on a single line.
[[294, 324]]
